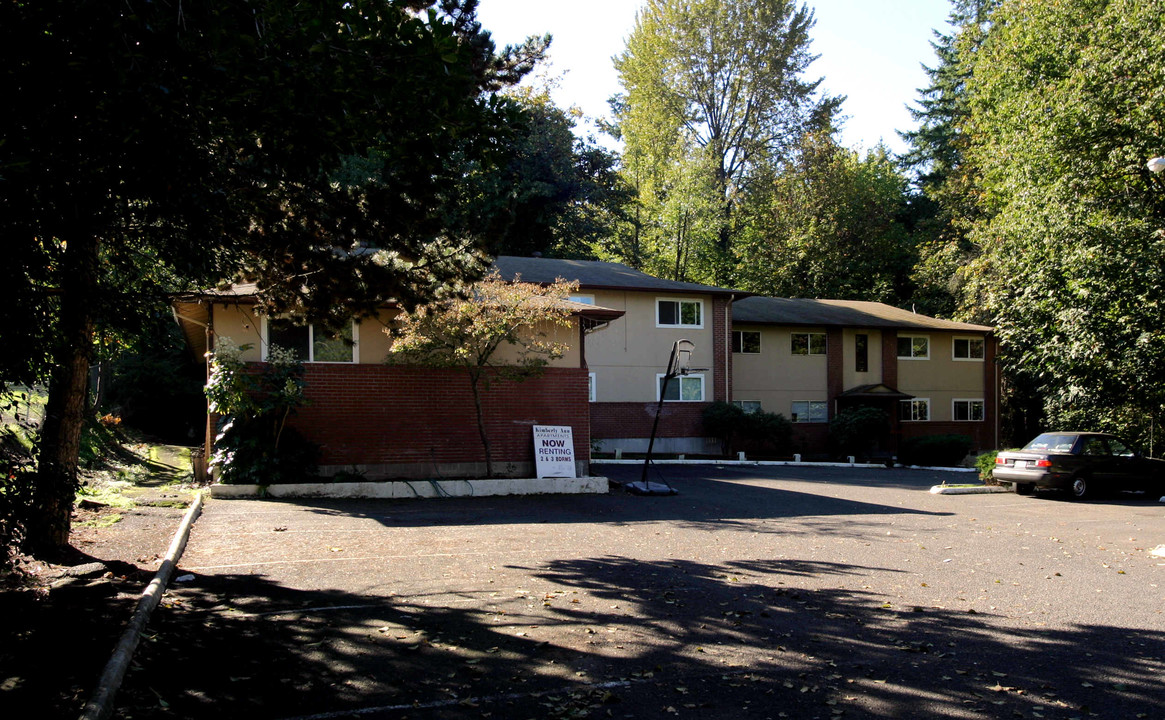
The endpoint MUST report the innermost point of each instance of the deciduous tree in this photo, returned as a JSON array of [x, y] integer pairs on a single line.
[[289, 140], [724, 76], [508, 329]]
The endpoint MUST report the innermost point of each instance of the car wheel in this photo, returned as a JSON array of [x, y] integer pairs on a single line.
[[1081, 487], [1025, 488]]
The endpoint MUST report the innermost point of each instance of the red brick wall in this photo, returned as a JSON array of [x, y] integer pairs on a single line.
[[721, 357], [634, 419], [382, 415], [834, 368]]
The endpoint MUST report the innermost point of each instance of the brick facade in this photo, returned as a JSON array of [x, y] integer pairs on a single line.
[[420, 422], [634, 419], [721, 351]]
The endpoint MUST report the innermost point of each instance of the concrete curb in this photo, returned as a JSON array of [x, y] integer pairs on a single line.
[[100, 705], [977, 490], [791, 463], [409, 489]]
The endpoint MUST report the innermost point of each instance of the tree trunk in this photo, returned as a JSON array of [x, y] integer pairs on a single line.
[[473, 385], [60, 442]]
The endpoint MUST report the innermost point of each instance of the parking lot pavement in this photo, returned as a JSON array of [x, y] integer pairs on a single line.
[[755, 592]]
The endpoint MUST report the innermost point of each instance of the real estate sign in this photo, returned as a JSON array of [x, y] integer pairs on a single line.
[[554, 451]]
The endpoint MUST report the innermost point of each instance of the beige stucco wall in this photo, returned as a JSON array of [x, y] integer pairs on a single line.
[[627, 354], [941, 378], [242, 324], [850, 376], [776, 377]]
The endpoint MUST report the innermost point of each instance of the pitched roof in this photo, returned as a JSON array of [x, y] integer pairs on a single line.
[[847, 313], [599, 275]]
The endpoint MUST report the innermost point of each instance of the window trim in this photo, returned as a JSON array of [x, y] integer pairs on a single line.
[[659, 386], [793, 415], [264, 345], [742, 351], [914, 357], [680, 312], [911, 418], [982, 412], [969, 338], [809, 344], [592, 387]]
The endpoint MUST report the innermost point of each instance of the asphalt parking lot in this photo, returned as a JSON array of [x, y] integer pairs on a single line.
[[756, 592]]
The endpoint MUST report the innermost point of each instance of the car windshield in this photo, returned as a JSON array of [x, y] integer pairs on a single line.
[[1050, 442]]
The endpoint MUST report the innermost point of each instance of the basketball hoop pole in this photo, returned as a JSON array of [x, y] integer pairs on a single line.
[[678, 364]]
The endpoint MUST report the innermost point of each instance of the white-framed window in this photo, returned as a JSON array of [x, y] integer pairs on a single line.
[[967, 410], [913, 347], [675, 312], [915, 410], [749, 406], [808, 343], [591, 391], [685, 388], [309, 343], [809, 411], [583, 298], [746, 342], [969, 349]]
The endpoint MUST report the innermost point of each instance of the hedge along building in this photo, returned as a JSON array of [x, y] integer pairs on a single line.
[[627, 361], [810, 359], [390, 421]]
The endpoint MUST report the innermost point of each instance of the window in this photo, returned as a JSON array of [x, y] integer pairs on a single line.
[[746, 342], [749, 406], [685, 388], [913, 347], [679, 313], [591, 393], [586, 299], [969, 348], [968, 411], [861, 353], [808, 343], [809, 411], [310, 344], [916, 410]]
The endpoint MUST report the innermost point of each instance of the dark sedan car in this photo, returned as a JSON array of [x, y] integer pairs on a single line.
[[1083, 463]]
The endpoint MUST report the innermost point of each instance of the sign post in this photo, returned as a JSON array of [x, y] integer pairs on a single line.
[[554, 451]]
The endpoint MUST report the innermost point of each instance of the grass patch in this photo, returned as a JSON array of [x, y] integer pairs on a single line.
[[101, 521]]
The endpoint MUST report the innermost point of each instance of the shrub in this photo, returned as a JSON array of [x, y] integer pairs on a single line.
[[763, 432], [254, 444], [856, 430], [986, 465], [936, 450]]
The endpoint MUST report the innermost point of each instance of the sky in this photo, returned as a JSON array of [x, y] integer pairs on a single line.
[[871, 51]]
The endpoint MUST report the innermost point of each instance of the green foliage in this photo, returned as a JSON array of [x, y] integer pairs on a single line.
[[830, 226], [857, 430], [986, 464], [935, 450], [759, 432], [558, 194], [1066, 103], [712, 88], [511, 329], [327, 151], [254, 444]]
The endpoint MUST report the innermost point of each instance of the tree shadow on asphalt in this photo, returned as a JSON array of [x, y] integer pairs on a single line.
[[615, 636]]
